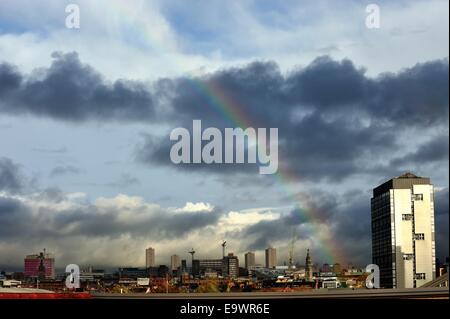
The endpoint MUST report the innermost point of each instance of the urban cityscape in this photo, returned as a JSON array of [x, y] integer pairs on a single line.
[[198, 155], [402, 241]]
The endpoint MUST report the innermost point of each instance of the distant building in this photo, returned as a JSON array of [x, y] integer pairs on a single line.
[[337, 269], [249, 260], [243, 272], [200, 266], [184, 265], [271, 257], [231, 266], [326, 268], [403, 240], [41, 266], [150, 257], [175, 262], [163, 270], [308, 267], [132, 272]]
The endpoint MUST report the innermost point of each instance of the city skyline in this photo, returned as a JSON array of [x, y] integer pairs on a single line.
[[86, 114]]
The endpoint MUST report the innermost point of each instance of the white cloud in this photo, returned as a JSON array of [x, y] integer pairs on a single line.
[[195, 207], [139, 42]]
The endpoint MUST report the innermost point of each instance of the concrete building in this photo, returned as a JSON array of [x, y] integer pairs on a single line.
[[150, 257], [184, 265], [132, 272], [231, 266], [403, 243], [200, 266], [271, 257], [175, 262], [41, 265], [249, 260]]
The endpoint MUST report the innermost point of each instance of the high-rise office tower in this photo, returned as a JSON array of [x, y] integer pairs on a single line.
[[403, 243], [249, 260], [271, 257], [175, 262], [150, 257]]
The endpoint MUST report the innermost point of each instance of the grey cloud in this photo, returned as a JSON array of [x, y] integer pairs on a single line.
[[441, 201], [10, 177], [348, 220], [10, 78], [328, 83], [347, 116], [436, 149], [125, 180], [59, 150], [11, 221], [417, 96], [65, 169], [92, 221], [71, 91], [441, 204], [265, 232]]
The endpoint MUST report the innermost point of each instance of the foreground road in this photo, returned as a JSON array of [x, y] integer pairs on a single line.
[[427, 293]]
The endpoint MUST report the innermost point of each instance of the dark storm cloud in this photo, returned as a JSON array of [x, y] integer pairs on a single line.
[[10, 178], [434, 150], [441, 222], [72, 91], [331, 116], [441, 202], [417, 96], [12, 222], [326, 83], [9, 78]]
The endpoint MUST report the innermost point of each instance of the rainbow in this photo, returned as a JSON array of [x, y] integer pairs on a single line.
[[231, 111]]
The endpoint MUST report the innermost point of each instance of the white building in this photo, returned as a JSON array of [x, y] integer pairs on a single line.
[[403, 240], [150, 257], [250, 260], [271, 257], [175, 262]]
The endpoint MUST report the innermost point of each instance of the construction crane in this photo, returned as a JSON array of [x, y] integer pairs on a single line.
[[224, 244], [291, 250]]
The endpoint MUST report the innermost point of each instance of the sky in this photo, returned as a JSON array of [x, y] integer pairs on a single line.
[[86, 113]]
